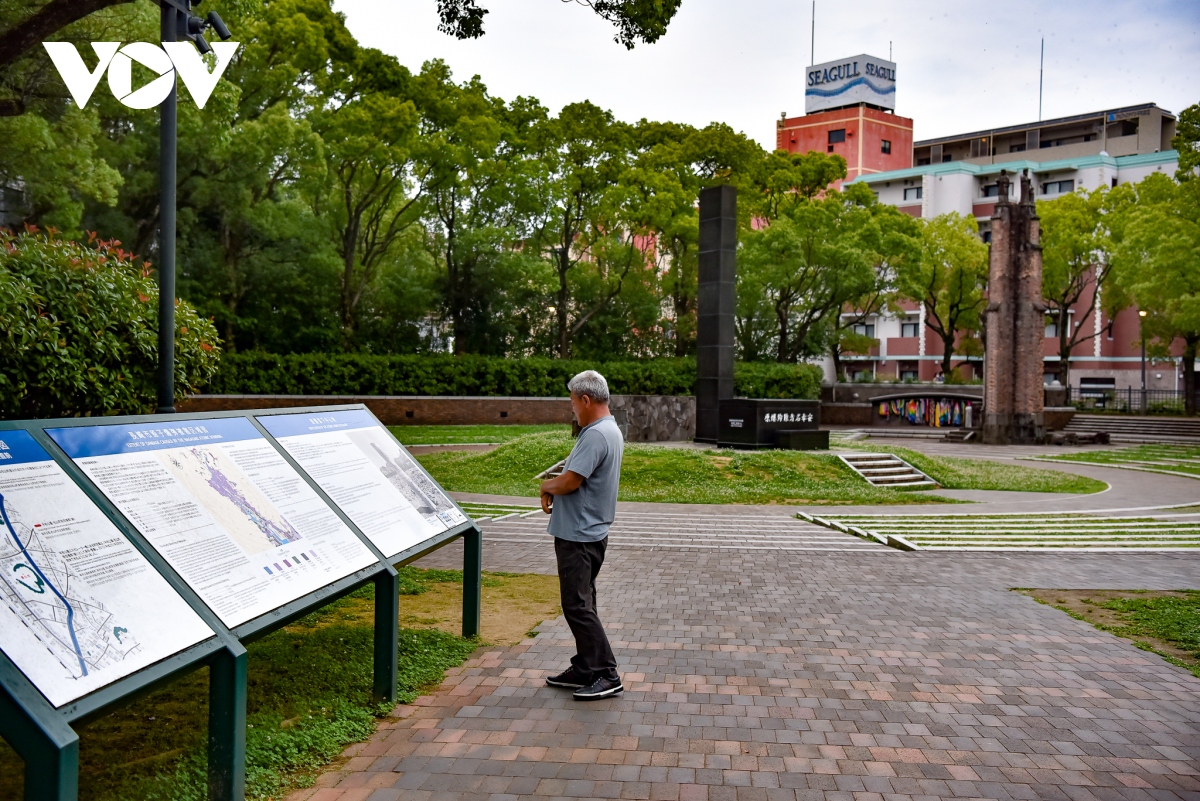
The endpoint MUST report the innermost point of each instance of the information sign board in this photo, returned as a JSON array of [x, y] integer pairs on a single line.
[[222, 506], [80, 607], [368, 474]]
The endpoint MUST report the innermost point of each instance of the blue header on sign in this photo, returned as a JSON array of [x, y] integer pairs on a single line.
[[180, 432], [296, 425], [18, 447]]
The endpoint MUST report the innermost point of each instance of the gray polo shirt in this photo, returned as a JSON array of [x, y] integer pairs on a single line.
[[585, 514]]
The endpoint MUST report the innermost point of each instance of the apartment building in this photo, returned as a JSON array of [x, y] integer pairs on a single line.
[[958, 174]]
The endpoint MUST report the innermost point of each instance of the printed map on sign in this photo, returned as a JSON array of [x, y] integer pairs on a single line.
[[226, 510], [227, 493], [54, 603], [80, 607]]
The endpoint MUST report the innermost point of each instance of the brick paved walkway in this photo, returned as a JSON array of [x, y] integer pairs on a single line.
[[789, 674]]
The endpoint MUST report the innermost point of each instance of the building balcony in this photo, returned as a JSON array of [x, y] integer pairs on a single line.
[[899, 347]]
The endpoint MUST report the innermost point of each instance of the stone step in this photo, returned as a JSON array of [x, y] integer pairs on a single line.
[[886, 470]]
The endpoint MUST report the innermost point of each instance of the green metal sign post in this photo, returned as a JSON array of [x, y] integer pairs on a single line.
[[43, 735]]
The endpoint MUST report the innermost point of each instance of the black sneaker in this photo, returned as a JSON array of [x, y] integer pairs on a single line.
[[602, 687], [569, 678]]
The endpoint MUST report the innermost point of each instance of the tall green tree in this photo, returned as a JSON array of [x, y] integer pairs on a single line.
[[786, 179], [1157, 263], [1076, 263], [585, 151], [1187, 143], [948, 280], [810, 262], [892, 241], [483, 186], [374, 184]]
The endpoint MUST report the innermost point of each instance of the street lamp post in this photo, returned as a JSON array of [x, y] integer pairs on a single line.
[[175, 22], [1142, 331], [167, 138]]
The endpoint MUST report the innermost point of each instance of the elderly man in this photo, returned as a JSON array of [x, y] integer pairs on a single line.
[[582, 503]]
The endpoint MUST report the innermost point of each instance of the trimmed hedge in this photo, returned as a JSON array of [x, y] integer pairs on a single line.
[[256, 373]]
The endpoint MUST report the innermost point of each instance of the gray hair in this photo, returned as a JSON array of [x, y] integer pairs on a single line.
[[590, 383]]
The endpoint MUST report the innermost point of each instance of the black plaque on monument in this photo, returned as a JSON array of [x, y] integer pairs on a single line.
[[757, 423]]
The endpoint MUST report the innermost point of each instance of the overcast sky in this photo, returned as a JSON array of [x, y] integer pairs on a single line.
[[960, 66]]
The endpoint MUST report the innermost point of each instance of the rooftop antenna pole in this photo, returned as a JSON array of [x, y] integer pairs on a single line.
[[1041, 72], [889, 49], [813, 52]]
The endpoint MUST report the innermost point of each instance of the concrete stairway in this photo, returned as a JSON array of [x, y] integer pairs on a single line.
[[1136, 428], [886, 470]]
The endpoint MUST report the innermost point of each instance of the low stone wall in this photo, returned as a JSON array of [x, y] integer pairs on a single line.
[[1057, 417], [658, 418], [652, 418], [847, 414]]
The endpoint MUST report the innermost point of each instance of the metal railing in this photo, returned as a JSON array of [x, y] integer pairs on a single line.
[[1128, 401]]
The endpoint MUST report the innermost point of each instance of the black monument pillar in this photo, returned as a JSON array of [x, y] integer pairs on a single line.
[[715, 306]]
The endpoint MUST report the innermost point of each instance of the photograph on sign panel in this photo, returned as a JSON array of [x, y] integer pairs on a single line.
[[370, 477], [399, 468]]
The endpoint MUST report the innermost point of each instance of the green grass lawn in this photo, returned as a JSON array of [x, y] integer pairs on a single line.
[[970, 474], [679, 475], [309, 695], [1164, 458], [446, 435]]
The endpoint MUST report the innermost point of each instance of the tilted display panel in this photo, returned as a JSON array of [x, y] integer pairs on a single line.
[[223, 507], [80, 606], [365, 470]]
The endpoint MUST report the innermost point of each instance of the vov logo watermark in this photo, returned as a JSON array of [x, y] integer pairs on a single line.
[[172, 58]]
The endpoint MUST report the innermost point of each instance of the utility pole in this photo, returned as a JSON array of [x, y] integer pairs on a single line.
[[812, 53], [1041, 73], [167, 139]]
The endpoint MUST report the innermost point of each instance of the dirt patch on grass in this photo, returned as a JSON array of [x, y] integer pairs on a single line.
[[1096, 607], [513, 605]]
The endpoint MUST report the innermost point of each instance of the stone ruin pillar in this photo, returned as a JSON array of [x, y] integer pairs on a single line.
[[1015, 323]]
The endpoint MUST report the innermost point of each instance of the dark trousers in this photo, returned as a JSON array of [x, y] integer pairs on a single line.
[[578, 565]]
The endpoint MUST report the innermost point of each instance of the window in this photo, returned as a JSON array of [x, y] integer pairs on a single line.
[[837, 136], [914, 193], [986, 236], [1114, 183], [922, 162], [991, 190], [865, 330], [885, 146], [1058, 187], [945, 158], [1052, 326], [1016, 148], [908, 375], [909, 329]]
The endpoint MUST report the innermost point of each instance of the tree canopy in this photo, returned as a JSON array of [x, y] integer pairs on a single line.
[[635, 20]]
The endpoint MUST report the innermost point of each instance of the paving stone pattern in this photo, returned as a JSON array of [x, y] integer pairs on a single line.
[[775, 530], [802, 674]]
